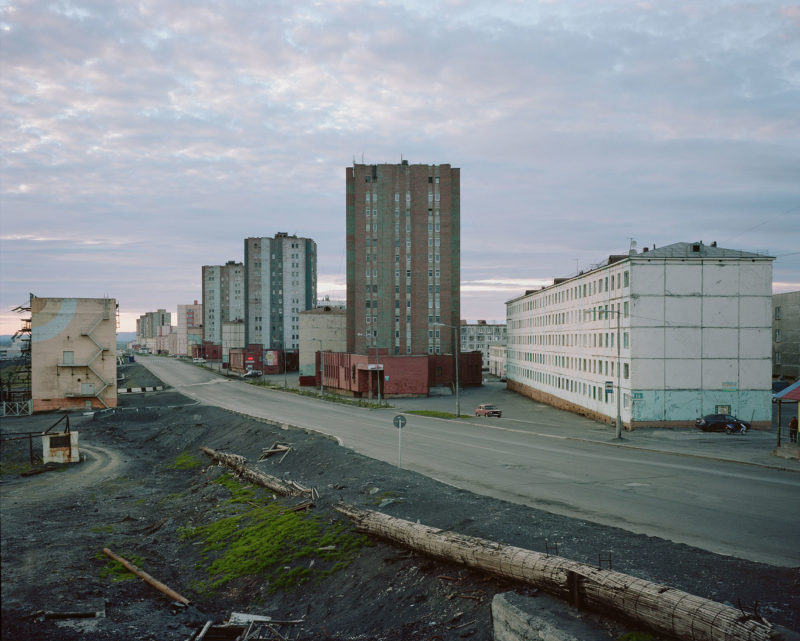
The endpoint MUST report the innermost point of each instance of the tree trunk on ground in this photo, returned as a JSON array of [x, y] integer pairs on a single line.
[[659, 607], [237, 464]]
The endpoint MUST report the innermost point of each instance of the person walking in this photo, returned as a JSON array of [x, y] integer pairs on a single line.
[[793, 429]]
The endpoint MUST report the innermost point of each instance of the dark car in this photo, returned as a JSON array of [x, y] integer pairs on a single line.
[[721, 423], [486, 409]]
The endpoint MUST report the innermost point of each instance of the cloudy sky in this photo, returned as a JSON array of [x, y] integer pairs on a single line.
[[144, 139]]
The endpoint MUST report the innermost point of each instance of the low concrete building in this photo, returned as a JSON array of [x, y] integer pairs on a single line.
[[73, 353], [786, 336], [322, 329], [497, 360]]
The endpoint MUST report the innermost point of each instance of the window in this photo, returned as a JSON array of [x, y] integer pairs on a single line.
[[625, 309], [778, 313], [777, 336], [69, 358], [625, 340], [625, 279], [777, 358], [625, 371]]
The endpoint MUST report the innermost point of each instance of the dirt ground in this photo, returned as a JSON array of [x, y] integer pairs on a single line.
[[145, 484]]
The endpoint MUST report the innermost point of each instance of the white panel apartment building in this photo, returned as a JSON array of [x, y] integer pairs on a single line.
[[281, 282], [694, 337], [223, 298], [480, 336]]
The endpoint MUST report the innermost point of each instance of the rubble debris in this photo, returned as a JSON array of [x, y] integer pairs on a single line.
[[147, 578], [275, 448]]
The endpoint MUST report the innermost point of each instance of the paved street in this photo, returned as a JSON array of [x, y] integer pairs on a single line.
[[722, 493]]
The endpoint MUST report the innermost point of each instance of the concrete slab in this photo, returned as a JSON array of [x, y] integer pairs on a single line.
[[541, 618]]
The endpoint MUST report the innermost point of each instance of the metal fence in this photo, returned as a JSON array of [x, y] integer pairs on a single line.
[[16, 408]]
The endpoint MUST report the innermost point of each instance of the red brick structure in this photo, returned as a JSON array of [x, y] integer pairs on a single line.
[[398, 376], [241, 359]]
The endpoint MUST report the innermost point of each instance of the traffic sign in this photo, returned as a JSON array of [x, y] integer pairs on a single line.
[[399, 421]]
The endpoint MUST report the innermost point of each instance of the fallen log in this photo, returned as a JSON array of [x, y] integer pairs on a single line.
[[237, 465], [147, 578], [660, 607]]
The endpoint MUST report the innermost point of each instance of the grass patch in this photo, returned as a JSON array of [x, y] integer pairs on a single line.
[[283, 548], [433, 414], [103, 529], [185, 461], [12, 467], [115, 571]]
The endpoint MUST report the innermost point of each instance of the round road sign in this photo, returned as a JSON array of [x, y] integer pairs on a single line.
[[399, 421]]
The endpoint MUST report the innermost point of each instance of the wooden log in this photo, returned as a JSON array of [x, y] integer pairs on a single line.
[[147, 578], [661, 608], [237, 464]]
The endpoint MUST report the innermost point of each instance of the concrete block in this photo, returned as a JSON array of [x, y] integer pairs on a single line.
[[541, 618]]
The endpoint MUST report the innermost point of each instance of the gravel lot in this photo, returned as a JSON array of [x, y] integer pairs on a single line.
[[145, 481]]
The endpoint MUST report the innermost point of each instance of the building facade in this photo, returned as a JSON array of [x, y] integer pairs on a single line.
[[149, 325], [322, 329], [671, 334], [403, 258], [280, 282], [786, 336], [223, 298], [497, 360], [189, 330], [73, 353], [481, 336]]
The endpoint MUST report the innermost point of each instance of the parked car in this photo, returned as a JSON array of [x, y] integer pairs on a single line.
[[721, 423], [252, 373], [487, 409]]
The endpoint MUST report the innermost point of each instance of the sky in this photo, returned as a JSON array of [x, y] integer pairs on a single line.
[[144, 139]]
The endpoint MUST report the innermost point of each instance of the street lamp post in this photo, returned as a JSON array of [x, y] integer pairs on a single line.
[[618, 431], [456, 350], [618, 426]]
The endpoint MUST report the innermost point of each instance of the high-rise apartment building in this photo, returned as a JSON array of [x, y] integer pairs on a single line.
[[403, 258], [148, 324], [280, 282], [223, 298]]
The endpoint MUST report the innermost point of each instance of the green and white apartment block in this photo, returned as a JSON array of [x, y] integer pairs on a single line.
[[676, 332]]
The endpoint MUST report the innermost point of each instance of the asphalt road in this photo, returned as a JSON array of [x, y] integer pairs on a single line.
[[744, 511]]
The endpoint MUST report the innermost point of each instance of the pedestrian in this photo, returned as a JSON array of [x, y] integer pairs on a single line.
[[793, 429]]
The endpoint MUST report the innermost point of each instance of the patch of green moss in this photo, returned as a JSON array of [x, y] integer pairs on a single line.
[[283, 548], [103, 529], [115, 571], [175, 496], [15, 468], [185, 461]]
